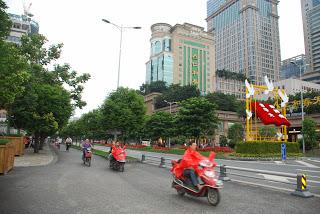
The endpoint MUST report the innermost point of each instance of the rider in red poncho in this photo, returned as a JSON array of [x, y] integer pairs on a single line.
[[117, 150], [188, 165]]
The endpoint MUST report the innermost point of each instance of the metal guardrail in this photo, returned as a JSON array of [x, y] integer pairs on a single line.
[[301, 184]]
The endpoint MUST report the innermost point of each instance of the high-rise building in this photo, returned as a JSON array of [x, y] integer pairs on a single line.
[[182, 54], [246, 37], [21, 25], [311, 27], [289, 69], [160, 64]]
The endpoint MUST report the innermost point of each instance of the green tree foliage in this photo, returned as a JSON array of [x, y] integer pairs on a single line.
[[124, 111], [235, 134], [231, 75], [13, 66], [5, 23], [157, 86], [309, 127], [176, 93], [90, 126], [72, 130], [267, 131], [224, 102], [13, 74], [45, 105], [160, 124], [196, 117], [223, 141]]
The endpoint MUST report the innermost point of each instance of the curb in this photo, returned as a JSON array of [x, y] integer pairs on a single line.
[[259, 159]]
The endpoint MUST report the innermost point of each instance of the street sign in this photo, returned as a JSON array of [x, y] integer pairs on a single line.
[[283, 152]]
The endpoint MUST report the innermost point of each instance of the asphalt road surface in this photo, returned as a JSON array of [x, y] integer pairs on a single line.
[[67, 186], [308, 166]]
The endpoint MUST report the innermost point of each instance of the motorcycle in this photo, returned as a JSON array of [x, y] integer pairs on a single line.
[[206, 176], [117, 159], [87, 156]]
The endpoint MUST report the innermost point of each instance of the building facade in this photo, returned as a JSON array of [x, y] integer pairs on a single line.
[[160, 64], [293, 86], [182, 54], [21, 25], [246, 37], [311, 27], [289, 69]]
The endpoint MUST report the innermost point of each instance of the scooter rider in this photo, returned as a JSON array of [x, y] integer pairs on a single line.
[[186, 161], [85, 145], [68, 142]]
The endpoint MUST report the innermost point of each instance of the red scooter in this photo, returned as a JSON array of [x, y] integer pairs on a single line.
[[205, 171], [87, 156], [118, 158]]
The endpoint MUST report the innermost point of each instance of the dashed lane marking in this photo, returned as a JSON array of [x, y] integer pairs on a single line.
[[307, 164]]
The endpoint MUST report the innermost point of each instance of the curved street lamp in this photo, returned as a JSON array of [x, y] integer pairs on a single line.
[[302, 112], [121, 30]]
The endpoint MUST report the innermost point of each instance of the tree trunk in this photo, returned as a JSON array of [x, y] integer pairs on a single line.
[[36, 143], [42, 138]]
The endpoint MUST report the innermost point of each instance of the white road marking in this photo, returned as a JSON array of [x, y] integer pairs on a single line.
[[306, 170], [267, 186], [279, 162], [318, 161], [307, 164], [274, 177]]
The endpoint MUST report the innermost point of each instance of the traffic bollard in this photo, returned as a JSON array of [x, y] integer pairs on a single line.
[[302, 190], [162, 163], [223, 173]]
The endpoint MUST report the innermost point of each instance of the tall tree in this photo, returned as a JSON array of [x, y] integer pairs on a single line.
[[197, 117], [309, 128], [124, 111], [235, 134], [160, 125], [224, 102], [176, 93], [45, 106], [5, 23], [157, 86], [13, 75]]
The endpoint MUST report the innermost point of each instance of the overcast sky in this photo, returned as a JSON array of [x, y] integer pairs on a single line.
[[92, 46]]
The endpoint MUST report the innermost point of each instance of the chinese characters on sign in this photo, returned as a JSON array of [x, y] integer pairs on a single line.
[[195, 71], [306, 102]]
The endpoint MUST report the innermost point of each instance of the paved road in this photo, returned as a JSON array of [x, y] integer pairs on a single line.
[[308, 166], [69, 187]]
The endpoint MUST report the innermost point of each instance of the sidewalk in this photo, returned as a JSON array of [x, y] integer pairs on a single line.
[[44, 157]]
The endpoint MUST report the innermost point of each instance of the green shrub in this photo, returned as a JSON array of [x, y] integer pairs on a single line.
[[223, 140], [266, 147], [4, 142]]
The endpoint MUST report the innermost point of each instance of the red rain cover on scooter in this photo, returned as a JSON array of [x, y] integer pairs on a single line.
[[191, 159], [119, 153]]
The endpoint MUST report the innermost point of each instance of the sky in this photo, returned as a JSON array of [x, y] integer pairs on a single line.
[[92, 46]]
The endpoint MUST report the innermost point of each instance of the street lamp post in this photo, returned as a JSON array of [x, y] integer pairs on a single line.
[[170, 104], [121, 28], [302, 112]]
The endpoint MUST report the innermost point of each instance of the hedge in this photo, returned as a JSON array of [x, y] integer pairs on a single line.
[[266, 147], [13, 135], [4, 142]]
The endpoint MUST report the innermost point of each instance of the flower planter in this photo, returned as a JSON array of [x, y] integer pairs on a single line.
[[6, 157], [17, 143]]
